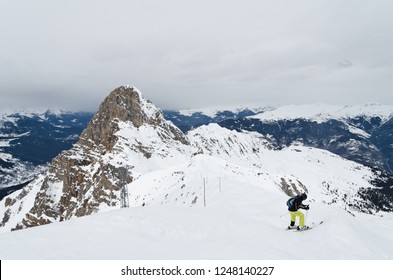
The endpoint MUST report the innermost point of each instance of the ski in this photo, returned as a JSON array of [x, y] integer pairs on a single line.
[[313, 225], [291, 228]]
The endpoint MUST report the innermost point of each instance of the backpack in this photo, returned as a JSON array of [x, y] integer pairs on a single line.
[[290, 202]]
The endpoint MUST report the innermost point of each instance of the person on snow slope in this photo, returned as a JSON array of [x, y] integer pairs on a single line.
[[294, 204]]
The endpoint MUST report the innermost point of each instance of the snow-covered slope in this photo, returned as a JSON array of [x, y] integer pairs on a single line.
[[327, 177], [242, 220], [324, 112]]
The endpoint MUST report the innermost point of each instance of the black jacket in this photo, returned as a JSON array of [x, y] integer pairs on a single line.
[[295, 203]]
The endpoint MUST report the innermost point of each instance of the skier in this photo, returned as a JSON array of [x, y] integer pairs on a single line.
[[294, 204]]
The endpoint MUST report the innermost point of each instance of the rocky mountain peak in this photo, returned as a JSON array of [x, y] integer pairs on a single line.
[[126, 129], [127, 103], [123, 104]]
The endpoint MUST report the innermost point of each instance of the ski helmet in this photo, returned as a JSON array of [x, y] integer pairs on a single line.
[[303, 196]]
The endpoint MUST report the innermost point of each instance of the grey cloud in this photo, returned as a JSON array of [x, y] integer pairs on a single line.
[[184, 54], [346, 63]]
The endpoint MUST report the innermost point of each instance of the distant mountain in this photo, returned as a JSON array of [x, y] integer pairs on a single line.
[[189, 119], [360, 133], [30, 139]]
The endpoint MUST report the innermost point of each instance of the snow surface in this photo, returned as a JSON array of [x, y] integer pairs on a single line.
[[6, 142], [20, 209], [242, 221], [146, 106], [244, 218], [324, 112]]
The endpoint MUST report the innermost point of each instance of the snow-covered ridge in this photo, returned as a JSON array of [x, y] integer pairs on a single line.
[[213, 111], [13, 114], [324, 112], [29, 112]]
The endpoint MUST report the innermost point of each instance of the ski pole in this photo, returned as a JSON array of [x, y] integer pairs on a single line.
[[284, 214]]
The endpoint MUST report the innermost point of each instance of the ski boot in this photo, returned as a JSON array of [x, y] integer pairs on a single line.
[[302, 228]]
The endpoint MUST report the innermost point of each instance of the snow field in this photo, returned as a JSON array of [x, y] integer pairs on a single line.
[[242, 221]]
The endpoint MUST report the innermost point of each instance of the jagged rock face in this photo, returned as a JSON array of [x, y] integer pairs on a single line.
[[82, 180], [122, 104], [292, 187]]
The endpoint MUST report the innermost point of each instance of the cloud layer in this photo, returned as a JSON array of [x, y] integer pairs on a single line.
[[185, 54]]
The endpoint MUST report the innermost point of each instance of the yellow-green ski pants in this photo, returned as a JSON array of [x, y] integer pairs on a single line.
[[297, 214]]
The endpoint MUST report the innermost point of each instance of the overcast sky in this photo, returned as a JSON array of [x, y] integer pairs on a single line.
[[190, 54]]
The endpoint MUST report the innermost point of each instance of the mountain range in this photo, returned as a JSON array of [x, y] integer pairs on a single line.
[[30, 139], [231, 167], [360, 133]]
